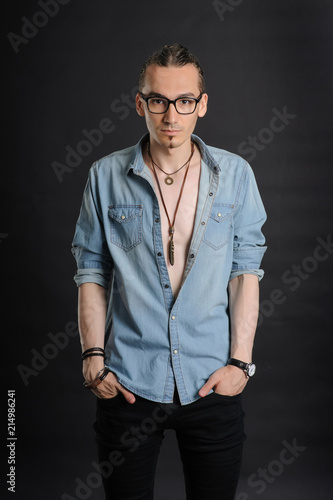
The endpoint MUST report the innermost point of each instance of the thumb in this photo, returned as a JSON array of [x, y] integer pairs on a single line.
[[205, 389], [129, 396]]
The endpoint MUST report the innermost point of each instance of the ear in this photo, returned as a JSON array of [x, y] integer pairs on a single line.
[[203, 105], [139, 105]]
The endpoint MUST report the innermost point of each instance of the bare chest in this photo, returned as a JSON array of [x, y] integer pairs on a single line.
[[178, 210]]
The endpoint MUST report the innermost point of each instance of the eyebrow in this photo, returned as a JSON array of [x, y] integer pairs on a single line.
[[156, 94]]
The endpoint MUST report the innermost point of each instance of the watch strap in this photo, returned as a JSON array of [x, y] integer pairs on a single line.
[[238, 363]]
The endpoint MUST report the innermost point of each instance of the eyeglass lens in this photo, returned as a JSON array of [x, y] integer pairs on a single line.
[[160, 105]]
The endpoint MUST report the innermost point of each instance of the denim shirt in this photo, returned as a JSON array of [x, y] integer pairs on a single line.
[[154, 341]]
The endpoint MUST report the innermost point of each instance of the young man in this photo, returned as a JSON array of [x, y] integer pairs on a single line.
[[168, 247]]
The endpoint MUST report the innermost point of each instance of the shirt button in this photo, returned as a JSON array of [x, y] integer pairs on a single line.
[[219, 215], [159, 254], [203, 223], [123, 217], [210, 194], [173, 317], [192, 256], [175, 351], [157, 220], [166, 286]]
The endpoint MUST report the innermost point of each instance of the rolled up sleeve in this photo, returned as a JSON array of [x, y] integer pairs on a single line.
[[89, 246], [250, 215]]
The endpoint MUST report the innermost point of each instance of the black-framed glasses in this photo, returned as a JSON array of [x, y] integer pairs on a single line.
[[159, 105]]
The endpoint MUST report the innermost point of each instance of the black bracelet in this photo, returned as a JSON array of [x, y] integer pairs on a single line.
[[99, 378], [92, 354], [104, 374], [91, 350]]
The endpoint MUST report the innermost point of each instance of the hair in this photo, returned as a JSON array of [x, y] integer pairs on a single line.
[[172, 55]]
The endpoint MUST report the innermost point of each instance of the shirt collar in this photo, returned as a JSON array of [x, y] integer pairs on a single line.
[[137, 163]]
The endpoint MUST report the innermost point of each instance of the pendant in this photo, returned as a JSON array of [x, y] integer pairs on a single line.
[[171, 246], [168, 180], [171, 251]]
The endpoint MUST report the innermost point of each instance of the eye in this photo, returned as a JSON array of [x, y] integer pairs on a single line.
[[157, 101], [186, 102]]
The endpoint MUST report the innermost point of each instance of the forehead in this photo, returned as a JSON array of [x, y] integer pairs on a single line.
[[172, 81]]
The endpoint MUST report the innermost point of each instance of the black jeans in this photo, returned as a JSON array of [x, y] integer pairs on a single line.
[[210, 436]]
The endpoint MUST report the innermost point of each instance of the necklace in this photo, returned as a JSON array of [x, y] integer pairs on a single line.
[[169, 180], [171, 245]]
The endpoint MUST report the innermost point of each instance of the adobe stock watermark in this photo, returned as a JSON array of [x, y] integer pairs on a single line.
[[30, 28], [295, 276], [292, 278], [131, 439], [41, 358], [262, 478], [249, 148], [225, 7], [93, 138]]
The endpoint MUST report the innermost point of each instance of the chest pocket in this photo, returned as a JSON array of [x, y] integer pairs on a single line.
[[126, 225], [218, 229]]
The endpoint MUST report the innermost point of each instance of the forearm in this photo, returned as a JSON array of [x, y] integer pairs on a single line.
[[91, 315], [244, 310]]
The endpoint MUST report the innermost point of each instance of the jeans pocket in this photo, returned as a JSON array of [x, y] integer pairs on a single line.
[[107, 401], [218, 229], [126, 225], [226, 398]]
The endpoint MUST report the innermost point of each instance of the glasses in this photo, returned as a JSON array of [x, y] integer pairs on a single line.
[[160, 105]]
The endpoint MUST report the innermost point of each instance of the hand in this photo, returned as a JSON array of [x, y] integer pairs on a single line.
[[109, 387], [228, 380]]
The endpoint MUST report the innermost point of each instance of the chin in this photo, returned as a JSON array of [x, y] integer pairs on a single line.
[[172, 142]]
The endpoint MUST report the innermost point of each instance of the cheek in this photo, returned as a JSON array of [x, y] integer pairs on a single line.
[[191, 124], [151, 121], [148, 123]]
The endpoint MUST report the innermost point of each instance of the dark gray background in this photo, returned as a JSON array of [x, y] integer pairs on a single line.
[[258, 56]]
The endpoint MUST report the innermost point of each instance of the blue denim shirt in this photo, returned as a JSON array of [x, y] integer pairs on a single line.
[[154, 341]]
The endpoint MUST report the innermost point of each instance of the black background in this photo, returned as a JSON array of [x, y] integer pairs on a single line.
[[258, 56]]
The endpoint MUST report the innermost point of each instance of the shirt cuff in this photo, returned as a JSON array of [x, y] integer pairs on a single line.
[[97, 276], [257, 272]]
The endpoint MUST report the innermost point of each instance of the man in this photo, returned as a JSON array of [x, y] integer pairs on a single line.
[[168, 247]]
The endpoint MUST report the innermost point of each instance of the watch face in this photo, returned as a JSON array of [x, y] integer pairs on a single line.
[[251, 369]]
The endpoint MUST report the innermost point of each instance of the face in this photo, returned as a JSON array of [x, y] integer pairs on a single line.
[[170, 129]]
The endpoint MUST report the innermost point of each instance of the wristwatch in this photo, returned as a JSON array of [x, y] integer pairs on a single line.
[[249, 368]]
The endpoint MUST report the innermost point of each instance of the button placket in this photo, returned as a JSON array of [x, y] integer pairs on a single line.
[[159, 252], [173, 318], [213, 179], [175, 352]]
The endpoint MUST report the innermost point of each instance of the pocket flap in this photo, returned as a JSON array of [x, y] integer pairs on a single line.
[[125, 213], [221, 211]]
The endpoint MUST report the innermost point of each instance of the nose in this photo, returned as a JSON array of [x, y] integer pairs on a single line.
[[171, 116]]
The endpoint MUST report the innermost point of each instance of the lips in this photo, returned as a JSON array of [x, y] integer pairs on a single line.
[[170, 132]]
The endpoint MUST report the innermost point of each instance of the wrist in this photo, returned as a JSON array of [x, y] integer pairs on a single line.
[[240, 352], [93, 351], [91, 366], [248, 368], [100, 376]]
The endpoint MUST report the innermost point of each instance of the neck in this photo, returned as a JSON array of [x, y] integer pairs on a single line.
[[170, 158]]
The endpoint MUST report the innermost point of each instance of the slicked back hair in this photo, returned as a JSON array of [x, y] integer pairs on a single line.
[[172, 55]]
